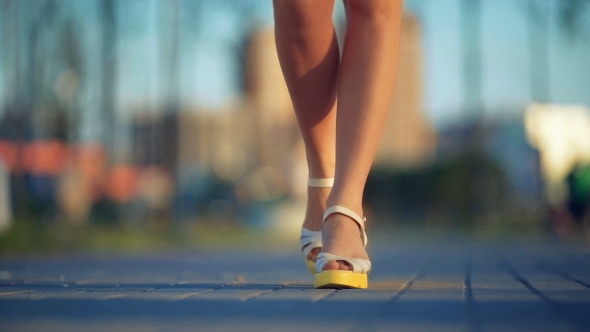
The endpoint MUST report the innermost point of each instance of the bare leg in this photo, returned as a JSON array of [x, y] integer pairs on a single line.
[[365, 89], [309, 57]]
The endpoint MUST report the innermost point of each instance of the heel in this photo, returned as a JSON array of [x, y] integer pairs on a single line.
[[310, 240]]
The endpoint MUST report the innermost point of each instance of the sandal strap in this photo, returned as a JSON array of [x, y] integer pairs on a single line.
[[309, 240], [359, 265], [361, 221], [313, 239], [320, 183]]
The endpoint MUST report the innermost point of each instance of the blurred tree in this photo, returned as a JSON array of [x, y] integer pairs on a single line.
[[473, 142], [109, 65], [538, 43], [169, 51], [471, 44], [571, 17], [460, 191], [67, 85], [40, 23], [11, 60]]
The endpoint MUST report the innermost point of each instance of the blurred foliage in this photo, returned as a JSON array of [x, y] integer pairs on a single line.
[[32, 237], [454, 192], [571, 16]]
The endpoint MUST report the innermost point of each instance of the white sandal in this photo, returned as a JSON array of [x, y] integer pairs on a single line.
[[313, 239], [357, 278]]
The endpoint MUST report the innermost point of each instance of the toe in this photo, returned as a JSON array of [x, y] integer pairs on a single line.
[[344, 266], [332, 265], [337, 265]]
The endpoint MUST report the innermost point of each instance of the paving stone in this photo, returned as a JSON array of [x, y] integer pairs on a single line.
[[377, 292], [444, 284], [296, 293], [168, 294], [502, 302], [13, 292], [238, 293]]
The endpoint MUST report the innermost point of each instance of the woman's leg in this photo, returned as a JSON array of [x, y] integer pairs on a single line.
[[365, 88], [309, 56]]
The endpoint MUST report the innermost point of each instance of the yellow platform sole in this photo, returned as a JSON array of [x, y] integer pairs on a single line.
[[341, 279]]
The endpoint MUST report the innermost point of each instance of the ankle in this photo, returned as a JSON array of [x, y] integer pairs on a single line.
[[340, 218], [316, 206]]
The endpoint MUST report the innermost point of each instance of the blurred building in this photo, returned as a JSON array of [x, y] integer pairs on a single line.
[[255, 142], [218, 141], [409, 139], [275, 133], [269, 100]]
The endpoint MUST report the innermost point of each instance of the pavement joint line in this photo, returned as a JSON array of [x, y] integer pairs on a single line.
[[189, 282], [113, 297], [153, 289], [467, 290], [45, 296], [119, 290], [18, 292], [84, 282], [221, 286], [564, 275], [554, 305], [180, 298], [419, 274], [321, 297], [268, 291], [318, 297], [246, 298], [405, 287], [200, 292], [473, 318], [314, 298]]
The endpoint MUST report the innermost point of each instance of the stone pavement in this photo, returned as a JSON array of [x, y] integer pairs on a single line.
[[435, 285]]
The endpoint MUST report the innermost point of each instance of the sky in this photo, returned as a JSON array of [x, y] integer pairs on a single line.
[[213, 30], [505, 58]]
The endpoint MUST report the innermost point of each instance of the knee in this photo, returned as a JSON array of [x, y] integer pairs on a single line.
[[296, 13], [376, 10]]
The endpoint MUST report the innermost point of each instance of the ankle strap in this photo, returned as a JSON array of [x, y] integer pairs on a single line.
[[326, 182], [361, 221]]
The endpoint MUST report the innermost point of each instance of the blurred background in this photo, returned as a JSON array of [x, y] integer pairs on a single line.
[[159, 123]]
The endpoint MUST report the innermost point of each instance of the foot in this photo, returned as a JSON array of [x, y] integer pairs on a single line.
[[316, 206], [342, 237]]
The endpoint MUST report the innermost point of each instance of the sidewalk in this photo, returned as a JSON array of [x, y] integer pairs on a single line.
[[440, 285]]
